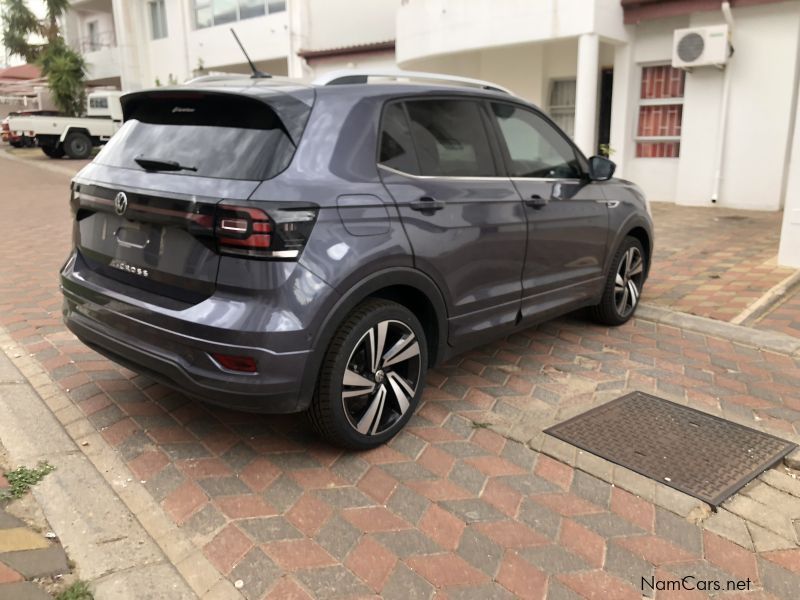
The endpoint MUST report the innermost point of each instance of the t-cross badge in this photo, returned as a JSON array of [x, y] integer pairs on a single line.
[[278, 247]]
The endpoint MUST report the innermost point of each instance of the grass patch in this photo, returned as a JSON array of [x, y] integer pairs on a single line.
[[20, 480], [77, 591]]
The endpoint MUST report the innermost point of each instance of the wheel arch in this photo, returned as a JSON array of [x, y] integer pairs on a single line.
[[72, 129], [637, 227], [406, 286]]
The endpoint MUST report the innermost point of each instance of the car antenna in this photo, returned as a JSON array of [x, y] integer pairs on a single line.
[[256, 73]]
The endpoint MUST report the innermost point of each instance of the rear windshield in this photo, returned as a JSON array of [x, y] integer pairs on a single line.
[[211, 134]]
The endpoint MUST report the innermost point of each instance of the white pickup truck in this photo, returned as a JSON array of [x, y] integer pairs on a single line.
[[74, 136]]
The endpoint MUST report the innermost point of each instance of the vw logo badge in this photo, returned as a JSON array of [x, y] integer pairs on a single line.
[[121, 203]]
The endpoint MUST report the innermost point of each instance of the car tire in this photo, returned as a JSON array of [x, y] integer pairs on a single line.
[[78, 145], [623, 287], [372, 376], [54, 151]]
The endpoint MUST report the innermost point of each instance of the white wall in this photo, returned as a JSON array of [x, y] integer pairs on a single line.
[[652, 43], [525, 69], [265, 38], [426, 28], [367, 60], [342, 23], [762, 73], [789, 254], [168, 56]]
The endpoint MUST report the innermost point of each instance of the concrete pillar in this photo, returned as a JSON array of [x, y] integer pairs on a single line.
[[299, 29], [586, 92], [623, 104], [127, 41], [789, 253]]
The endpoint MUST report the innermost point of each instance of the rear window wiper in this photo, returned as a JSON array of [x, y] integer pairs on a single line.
[[156, 164]]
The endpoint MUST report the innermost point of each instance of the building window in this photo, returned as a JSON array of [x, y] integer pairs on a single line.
[[92, 35], [561, 105], [158, 19], [98, 102], [208, 13], [658, 132]]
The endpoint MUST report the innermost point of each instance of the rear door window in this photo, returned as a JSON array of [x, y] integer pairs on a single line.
[[212, 134], [536, 149], [450, 138], [397, 149]]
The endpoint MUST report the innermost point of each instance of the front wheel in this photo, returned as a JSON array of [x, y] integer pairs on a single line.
[[623, 287], [372, 376]]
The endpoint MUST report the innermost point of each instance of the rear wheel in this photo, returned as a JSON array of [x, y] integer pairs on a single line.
[[624, 284], [78, 145], [53, 150], [372, 376]]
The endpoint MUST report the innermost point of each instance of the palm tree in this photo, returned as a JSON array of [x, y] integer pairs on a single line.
[[64, 68], [54, 10], [18, 24]]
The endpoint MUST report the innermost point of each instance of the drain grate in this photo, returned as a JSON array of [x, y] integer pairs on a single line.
[[702, 455]]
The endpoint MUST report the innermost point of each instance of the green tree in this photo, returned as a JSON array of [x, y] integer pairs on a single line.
[[19, 23], [64, 68], [66, 76]]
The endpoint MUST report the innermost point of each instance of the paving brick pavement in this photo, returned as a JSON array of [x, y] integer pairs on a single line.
[[450, 507], [712, 261], [25, 555]]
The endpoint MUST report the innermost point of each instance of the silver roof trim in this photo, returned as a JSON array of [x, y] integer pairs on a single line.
[[344, 76]]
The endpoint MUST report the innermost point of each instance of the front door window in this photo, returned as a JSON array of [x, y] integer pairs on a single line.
[[535, 148]]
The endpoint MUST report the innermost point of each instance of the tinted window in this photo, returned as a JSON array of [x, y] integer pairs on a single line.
[[225, 136], [536, 148], [397, 150], [450, 138]]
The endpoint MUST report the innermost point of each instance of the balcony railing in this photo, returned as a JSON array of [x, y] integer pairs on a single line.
[[98, 41]]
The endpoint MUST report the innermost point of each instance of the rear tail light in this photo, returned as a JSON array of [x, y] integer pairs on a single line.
[[257, 233]]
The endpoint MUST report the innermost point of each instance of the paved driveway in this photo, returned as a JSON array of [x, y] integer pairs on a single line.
[[456, 506], [713, 262]]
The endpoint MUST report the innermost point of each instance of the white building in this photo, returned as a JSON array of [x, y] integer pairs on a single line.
[[142, 43], [601, 68]]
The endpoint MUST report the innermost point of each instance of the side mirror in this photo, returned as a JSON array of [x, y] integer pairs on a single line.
[[600, 168]]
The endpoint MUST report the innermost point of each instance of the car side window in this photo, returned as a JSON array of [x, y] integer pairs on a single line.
[[450, 138], [397, 149], [535, 147]]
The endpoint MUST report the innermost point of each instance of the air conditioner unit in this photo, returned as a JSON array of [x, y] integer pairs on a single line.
[[701, 47]]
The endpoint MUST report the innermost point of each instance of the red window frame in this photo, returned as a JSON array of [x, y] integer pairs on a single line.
[[660, 117]]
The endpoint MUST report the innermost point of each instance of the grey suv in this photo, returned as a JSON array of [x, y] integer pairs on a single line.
[[276, 247]]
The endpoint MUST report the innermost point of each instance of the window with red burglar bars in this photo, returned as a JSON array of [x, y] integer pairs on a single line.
[[658, 132]]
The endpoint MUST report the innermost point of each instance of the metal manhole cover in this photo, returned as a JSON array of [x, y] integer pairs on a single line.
[[702, 455]]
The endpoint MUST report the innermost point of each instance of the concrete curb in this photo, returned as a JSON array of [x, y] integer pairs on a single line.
[[123, 542], [766, 302], [779, 343]]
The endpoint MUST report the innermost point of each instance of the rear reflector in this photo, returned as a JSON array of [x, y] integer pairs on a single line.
[[245, 364]]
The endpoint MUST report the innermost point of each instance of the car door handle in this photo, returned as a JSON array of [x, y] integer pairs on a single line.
[[609, 203], [426, 204], [536, 201]]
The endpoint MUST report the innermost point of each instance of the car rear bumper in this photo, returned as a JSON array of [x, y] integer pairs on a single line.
[[179, 353], [186, 365]]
